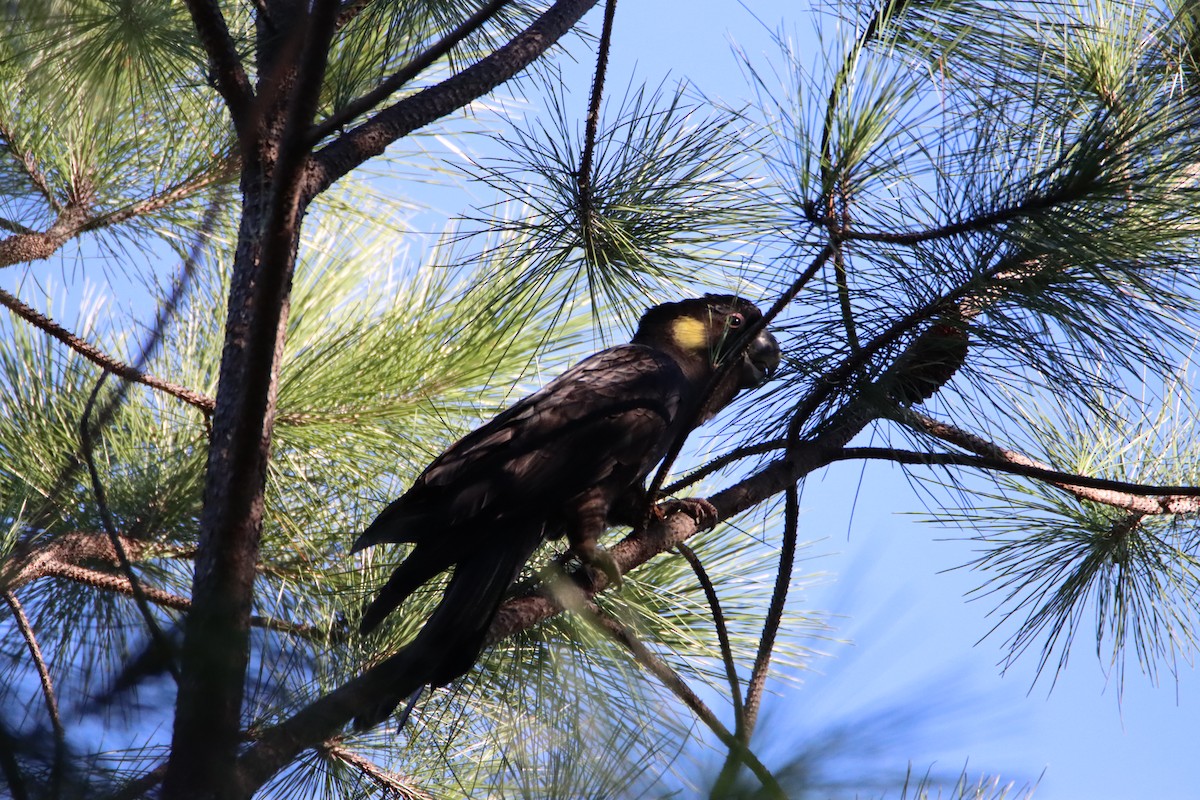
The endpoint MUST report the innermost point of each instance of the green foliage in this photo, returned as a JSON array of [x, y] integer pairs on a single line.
[[1026, 171], [1056, 559], [668, 201]]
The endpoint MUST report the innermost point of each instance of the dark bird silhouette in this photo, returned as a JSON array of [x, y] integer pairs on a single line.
[[569, 459]]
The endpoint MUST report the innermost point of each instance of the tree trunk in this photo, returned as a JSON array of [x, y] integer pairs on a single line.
[[216, 639]]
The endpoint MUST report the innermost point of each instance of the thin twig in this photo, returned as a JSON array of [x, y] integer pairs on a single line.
[[1143, 498], [714, 605], [838, 229], [766, 642], [97, 356], [722, 461], [983, 222], [783, 580], [15, 227], [364, 103], [390, 782], [583, 178], [671, 679], [139, 596], [35, 652]]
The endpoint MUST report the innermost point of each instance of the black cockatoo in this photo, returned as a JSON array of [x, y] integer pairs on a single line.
[[564, 460]]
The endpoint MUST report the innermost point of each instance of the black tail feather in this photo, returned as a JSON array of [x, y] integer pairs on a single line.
[[422, 564], [449, 643]]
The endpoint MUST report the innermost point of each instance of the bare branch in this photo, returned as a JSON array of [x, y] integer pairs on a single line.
[[100, 358], [714, 604], [1141, 498], [226, 70], [671, 679], [390, 782], [412, 69], [35, 652], [373, 136]]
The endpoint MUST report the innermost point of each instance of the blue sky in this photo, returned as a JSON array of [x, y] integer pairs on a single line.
[[915, 634]]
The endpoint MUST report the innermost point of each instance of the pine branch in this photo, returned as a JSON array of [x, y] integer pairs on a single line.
[[15, 227], [226, 71], [371, 138], [86, 434], [722, 461], [714, 605], [30, 167], [390, 783], [34, 245], [65, 556], [783, 581], [35, 652], [583, 177], [111, 582], [766, 642], [149, 346], [671, 679], [215, 174], [103, 360], [33, 561], [74, 218], [1140, 498], [364, 103]]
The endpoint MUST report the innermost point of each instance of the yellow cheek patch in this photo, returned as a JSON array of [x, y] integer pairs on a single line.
[[690, 333]]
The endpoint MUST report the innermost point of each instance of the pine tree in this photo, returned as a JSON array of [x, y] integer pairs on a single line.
[[971, 227]]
